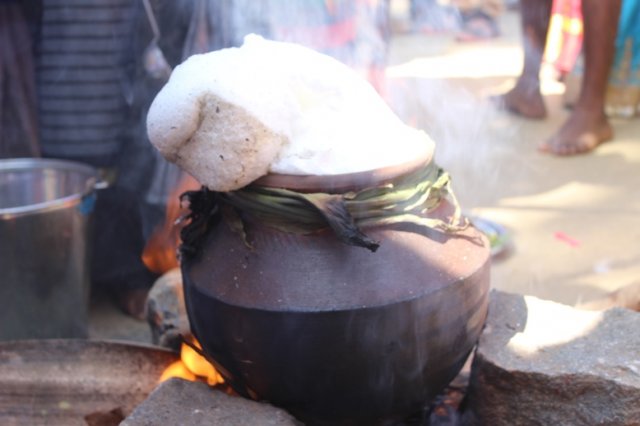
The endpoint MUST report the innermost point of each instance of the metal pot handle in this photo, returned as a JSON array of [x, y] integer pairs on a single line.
[[100, 184], [88, 202]]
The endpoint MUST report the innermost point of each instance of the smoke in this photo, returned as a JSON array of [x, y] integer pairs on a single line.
[[472, 137]]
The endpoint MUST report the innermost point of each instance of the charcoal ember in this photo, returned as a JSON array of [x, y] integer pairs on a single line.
[[166, 311], [445, 410], [180, 402], [540, 362]]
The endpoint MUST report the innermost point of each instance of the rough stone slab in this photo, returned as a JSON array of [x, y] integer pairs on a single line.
[[180, 402], [624, 297], [166, 311], [543, 363]]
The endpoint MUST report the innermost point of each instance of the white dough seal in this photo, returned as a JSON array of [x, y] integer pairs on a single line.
[[231, 116]]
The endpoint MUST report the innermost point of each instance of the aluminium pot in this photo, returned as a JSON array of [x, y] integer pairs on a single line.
[[334, 333], [45, 212]]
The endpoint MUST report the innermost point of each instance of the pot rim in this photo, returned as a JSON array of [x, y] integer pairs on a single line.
[[87, 172], [345, 182]]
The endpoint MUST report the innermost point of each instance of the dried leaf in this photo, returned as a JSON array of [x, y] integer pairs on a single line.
[[405, 200]]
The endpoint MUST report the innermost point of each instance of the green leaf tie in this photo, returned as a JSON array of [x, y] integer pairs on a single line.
[[407, 200]]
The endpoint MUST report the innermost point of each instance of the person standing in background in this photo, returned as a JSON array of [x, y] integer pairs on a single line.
[[93, 90], [587, 126], [564, 43]]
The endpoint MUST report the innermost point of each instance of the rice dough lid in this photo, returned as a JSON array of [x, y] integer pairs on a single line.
[[231, 116], [199, 121]]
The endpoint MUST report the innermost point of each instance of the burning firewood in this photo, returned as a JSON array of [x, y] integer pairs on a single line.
[[192, 365]]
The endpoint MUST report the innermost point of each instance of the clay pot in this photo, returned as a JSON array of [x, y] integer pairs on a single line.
[[333, 333]]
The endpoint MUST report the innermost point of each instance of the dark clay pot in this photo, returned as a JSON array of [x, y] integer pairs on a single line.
[[333, 333]]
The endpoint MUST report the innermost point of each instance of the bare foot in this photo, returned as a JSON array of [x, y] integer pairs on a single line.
[[581, 133], [524, 99]]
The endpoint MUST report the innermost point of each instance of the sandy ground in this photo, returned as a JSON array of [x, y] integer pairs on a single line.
[[573, 222]]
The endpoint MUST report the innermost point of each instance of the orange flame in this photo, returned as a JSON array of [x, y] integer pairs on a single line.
[[192, 366], [159, 254]]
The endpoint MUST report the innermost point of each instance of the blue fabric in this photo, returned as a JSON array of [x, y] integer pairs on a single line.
[[628, 35]]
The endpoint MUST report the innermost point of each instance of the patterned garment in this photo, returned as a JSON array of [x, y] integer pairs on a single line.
[[623, 96], [91, 105], [564, 43], [80, 70], [564, 39]]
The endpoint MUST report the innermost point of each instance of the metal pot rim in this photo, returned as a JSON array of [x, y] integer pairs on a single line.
[[18, 164], [341, 183]]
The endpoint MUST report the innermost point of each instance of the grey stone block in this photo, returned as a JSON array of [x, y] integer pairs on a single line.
[[166, 311], [543, 363], [180, 402]]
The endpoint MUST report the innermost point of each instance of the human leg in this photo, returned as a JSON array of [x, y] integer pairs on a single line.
[[525, 98], [587, 126]]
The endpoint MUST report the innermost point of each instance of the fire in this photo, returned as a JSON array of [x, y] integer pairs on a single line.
[[159, 255], [192, 366]]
